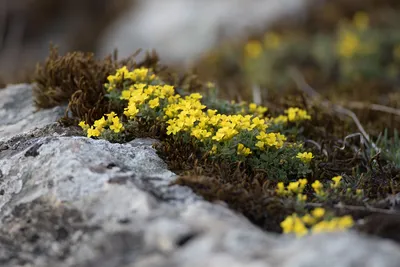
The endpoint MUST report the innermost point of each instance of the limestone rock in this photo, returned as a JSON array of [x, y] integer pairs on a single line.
[[67, 200]]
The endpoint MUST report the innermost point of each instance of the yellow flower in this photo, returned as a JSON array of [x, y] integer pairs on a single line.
[[260, 145], [308, 219], [84, 125], [280, 189], [242, 150], [99, 124], [125, 95], [154, 102], [296, 114], [213, 149], [293, 187], [318, 188], [110, 116], [93, 132], [224, 133], [252, 107], [305, 156], [302, 184], [345, 222], [348, 44], [253, 49], [196, 96], [117, 125], [280, 119], [287, 224], [318, 213], [131, 111], [200, 134], [299, 228], [259, 124], [337, 181]]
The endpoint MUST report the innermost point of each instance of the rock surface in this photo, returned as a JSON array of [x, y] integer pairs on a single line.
[[66, 200]]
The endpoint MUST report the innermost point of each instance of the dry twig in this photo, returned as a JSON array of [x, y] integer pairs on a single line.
[[305, 87]]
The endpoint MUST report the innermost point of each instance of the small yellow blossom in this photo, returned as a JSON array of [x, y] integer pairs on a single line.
[[84, 125], [242, 150], [253, 49], [224, 133], [100, 124], [93, 132], [281, 119], [299, 228], [296, 114], [154, 102], [125, 95], [302, 184], [117, 125], [287, 224], [131, 111], [318, 213], [337, 181], [280, 189], [213, 149], [348, 44], [293, 187], [318, 188], [345, 222], [308, 219], [305, 156], [110, 116]]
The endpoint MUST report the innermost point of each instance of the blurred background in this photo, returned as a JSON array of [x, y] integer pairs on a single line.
[[346, 49]]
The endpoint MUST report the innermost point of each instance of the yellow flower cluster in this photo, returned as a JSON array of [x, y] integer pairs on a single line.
[[253, 108], [297, 114], [293, 188], [137, 75], [293, 114], [270, 139], [254, 48], [188, 115], [297, 188], [112, 122], [143, 93], [315, 223]]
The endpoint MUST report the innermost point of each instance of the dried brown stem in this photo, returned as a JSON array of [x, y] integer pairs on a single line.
[[306, 88]]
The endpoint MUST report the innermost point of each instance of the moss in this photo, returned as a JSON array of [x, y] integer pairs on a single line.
[[78, 78]]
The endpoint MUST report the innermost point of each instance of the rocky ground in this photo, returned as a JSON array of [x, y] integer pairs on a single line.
[[67, 200]]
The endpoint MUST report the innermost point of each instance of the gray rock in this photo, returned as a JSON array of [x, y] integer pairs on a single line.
[[18, 114], [66, 200]]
